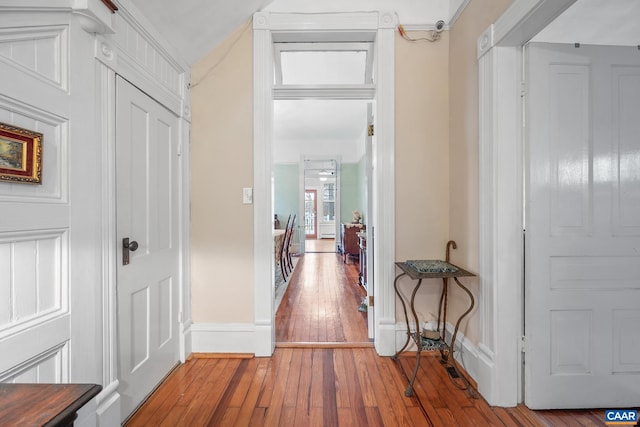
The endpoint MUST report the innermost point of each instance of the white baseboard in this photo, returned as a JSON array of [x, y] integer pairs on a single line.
[[466, 353], [107, 409], [186, 341], [223, 337]]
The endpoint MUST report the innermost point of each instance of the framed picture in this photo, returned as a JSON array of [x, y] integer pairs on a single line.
[[20, 155]]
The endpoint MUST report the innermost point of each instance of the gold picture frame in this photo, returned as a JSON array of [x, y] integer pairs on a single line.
[[20, 155]]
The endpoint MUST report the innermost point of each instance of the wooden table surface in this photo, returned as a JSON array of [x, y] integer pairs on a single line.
[[43, 404]]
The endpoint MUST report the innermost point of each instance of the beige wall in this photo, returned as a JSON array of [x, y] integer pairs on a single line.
[[422, 159], [436, 164], [221, 134], [221, 165], [477, 16]]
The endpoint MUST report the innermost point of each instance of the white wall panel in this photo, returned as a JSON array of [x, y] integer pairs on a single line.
[[626, 341], [49, 367], [38, 51], [571, 334], [146, 53], [594, 272], [165, 291], [33, 279], [626, 128], [569, 148]]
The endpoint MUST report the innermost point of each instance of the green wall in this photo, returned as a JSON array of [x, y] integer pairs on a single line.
[[285, 192], [352, 191]]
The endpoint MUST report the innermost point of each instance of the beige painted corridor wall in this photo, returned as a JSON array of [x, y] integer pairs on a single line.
[[477, 16], [221, 165], [221, 135]]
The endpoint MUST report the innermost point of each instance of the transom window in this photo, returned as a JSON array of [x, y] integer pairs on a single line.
[[323, 64]]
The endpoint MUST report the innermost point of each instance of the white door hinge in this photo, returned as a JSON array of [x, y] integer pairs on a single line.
[[523, 344]]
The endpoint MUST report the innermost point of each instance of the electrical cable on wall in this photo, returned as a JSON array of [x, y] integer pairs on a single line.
[[434, 35]]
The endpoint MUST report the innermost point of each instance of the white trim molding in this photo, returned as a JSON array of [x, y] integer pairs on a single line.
[[222, 337], [327, 27], [501, 196]]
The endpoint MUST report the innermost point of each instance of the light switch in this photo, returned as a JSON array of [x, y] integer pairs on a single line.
[[247, 196]]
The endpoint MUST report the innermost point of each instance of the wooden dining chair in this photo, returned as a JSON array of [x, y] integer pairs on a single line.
[[281, 255], [287, 244]]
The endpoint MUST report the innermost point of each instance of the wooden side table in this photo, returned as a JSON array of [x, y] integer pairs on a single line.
[[433, 269]]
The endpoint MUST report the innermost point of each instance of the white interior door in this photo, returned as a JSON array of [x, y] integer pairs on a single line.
[[147, 213], [583, 227]]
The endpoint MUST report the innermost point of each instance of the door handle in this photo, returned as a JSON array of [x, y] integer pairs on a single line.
[[126, 247]]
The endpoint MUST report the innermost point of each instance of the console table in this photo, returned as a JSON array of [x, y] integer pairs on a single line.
[[433, 340], [43, 404]]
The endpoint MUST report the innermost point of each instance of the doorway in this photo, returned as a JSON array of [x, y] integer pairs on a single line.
[[370, 27], [310, 214], [321, 176], [328, 138], [501, 267]]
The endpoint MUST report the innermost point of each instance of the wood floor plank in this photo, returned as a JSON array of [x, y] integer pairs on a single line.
[[201, 408], [239, 383], [276, 400], [316, 380], [347, 378], [344, 389], [329, 404], [165, 397], [392, 410], [251, 398], [368, 396], [213, 369], [257, 417], [293, 380], [373, 417]]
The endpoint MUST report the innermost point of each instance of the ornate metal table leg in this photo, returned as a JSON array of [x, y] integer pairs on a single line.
[[455, 331], [409, 391], [468, 387], [404, 309]]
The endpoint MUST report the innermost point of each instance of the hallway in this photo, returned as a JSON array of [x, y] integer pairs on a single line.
[[321, 303], [324, 372]]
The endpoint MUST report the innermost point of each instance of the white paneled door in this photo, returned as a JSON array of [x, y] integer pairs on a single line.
[[147, 214], [582, 280]]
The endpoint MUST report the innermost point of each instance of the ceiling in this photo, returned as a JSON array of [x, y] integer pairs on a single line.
[[194, 27], [610, 22]]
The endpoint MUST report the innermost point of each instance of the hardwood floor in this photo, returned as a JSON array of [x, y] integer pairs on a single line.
[[328, 387], [321, 303], [330, 381], [320, 245]]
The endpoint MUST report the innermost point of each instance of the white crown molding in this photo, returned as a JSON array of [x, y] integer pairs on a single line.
[[456, 14], [93, 16]]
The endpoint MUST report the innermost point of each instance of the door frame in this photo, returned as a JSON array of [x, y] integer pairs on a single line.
[[315, 210], [381, 27], [109, 63], [501, 195], [302, 183]]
